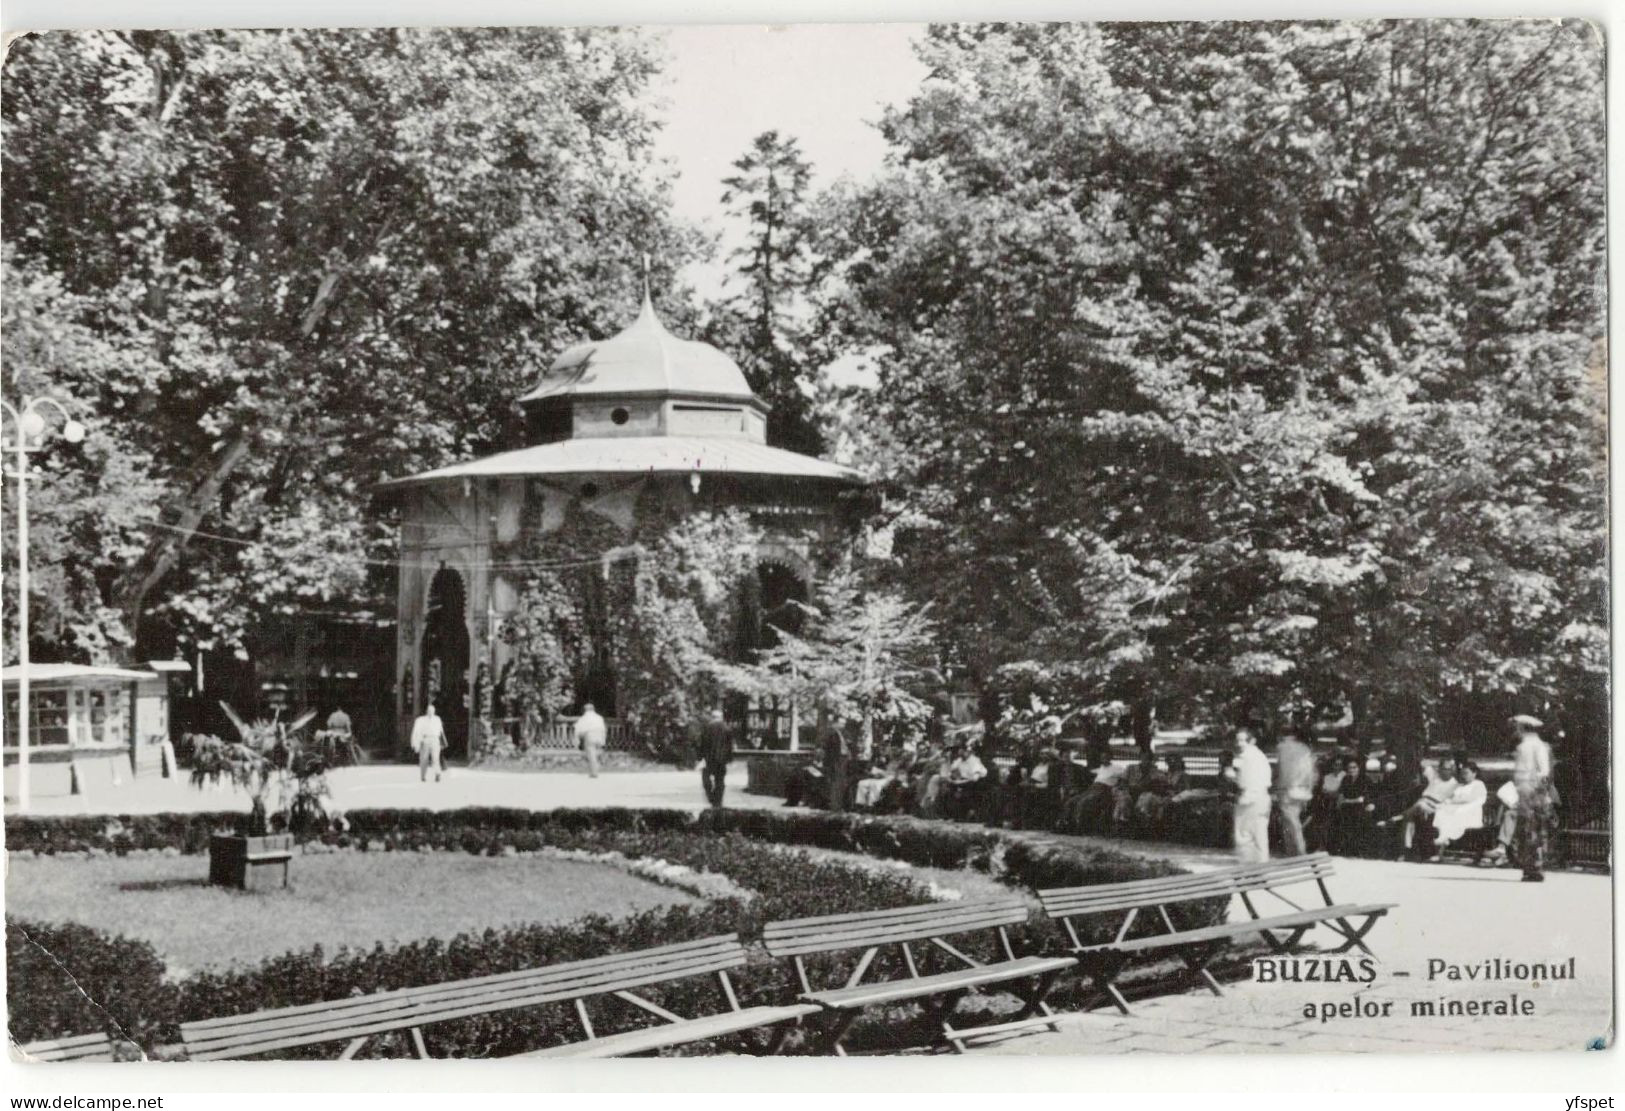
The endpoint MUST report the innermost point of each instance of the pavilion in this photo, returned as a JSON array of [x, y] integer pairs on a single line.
[[641, 423]]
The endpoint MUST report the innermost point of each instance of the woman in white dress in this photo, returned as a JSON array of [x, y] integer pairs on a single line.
[[1463, 809]]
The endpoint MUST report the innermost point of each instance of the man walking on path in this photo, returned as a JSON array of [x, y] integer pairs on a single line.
[[590, 734], [1537, 805], [1252, 820], [428, 738], [1295, 765], [716, 749]]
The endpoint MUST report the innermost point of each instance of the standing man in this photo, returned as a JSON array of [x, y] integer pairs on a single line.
[[1537, 805], [1296, 767], [590, 733], [428, 738], [1252, 817], [716, 749], [832, 748]]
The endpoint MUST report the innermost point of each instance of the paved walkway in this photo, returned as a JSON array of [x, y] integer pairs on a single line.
[[1446, 913], [398, 785]]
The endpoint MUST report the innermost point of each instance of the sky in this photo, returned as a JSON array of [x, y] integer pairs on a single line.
[[824, 84]]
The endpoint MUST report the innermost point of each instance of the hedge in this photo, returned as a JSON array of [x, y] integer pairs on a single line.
[[56, 961]]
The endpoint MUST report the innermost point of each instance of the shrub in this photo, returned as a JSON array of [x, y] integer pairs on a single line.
[[742, 845], [63, 978]]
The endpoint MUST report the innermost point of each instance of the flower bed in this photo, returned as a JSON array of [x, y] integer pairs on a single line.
[[67, 979]]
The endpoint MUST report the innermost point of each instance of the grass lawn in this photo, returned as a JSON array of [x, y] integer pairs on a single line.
[[345, 898]]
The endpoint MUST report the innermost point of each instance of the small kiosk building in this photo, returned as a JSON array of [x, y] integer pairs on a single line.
[[89, 727]]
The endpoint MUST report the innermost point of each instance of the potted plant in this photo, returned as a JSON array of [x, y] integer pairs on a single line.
[[271, 761]]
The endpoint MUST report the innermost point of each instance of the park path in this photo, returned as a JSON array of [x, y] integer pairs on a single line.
[[1463, 916], [398, 785]]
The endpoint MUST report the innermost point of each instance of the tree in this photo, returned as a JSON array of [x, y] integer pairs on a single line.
[[1233, 364], [764, 323], [273, 268], [675, 608], [861, 656]]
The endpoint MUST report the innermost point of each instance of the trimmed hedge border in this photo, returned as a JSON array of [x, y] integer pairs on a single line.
[[67, 966]]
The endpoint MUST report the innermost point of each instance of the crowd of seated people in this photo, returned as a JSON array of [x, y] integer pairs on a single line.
[[1356, 809]]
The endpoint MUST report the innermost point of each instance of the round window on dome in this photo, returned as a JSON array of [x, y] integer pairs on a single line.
[[620, 415]]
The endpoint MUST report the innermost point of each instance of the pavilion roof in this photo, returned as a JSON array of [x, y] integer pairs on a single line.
[[643, 455]]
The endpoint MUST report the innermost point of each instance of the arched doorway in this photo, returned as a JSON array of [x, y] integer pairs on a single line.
[[780, 588], [443, 662]]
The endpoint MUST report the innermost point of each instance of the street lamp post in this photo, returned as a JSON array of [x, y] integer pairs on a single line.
[[29, 425]]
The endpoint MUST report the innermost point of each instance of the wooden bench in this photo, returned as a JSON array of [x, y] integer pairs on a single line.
[[938, 993], [357, 1019], [1148, 901], [82, 1047]]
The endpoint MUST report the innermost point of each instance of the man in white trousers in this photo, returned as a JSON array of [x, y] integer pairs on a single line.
[[591, 732], [428, 738], [1252, 822]]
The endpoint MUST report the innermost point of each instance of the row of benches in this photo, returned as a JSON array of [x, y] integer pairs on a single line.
[[827, 1010]]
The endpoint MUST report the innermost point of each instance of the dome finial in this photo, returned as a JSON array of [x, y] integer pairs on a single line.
[[648, 301]]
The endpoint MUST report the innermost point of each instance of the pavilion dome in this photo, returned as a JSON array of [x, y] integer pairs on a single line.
[[643, 358]]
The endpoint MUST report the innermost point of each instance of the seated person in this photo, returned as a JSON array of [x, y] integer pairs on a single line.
[[1009, 789], [1324, 805], [806, 786], [930, 783], [1159, 790], [1463, 810], [965, 780], [1351, 807], [1136, 781], [897, 796], [1418, 817], [1090, 810], [873, 781]]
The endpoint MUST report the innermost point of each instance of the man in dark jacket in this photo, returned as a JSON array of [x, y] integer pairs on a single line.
[[716, 749]]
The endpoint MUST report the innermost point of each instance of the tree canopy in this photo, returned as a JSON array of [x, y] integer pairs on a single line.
[[1220, 366], [272, 268], [1238, 363]]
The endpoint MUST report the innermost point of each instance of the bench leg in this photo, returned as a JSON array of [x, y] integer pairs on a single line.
[[1103, 971], [1293, 937], [417, 1044], [353, 1048], [1354, 936], [836, 1030], [940, 1013], [1034, 999], [776, 1039], [1197, 957]]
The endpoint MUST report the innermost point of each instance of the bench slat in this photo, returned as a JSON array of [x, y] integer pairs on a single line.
[[956, 913], [893, 991], [653, 962], [398, 1014], [80, 1047], [363, 1016], [1235, 929], [835, 932], [915, 911], [692, 1030], [999, 915], [75, 1042], [1100, 898]]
